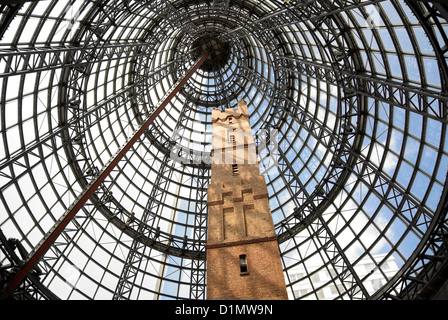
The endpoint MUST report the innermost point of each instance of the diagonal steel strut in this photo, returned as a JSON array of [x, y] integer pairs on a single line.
[[71, 211]]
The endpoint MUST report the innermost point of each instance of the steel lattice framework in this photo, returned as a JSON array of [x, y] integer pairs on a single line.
[[356, 92]]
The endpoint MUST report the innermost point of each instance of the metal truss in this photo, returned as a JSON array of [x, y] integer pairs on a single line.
[[427, 102], [147, 227], [108, 170], [32, 288], [22, 61], [136, 253], [198, 275]]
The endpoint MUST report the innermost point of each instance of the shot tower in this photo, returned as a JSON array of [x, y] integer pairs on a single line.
[[243, 260]]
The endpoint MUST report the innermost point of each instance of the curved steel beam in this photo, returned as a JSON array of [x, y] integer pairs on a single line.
[[52, 235]]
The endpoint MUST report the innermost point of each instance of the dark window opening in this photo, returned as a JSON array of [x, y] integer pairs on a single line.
[[243, 265], [232, 139]]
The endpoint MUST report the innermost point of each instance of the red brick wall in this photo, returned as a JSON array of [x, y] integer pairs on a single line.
[[264, 279]]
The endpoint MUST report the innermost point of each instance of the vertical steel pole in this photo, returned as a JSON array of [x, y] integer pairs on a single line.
[[51, 236]]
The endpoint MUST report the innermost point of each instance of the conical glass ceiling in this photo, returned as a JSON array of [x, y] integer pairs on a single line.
[[350, 95]]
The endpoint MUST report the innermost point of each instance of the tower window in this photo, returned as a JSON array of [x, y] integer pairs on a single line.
[[232, 139], [234, 168], [243, 265], [230, 120]]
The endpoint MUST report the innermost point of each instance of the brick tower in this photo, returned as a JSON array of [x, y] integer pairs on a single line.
[[243, 259]]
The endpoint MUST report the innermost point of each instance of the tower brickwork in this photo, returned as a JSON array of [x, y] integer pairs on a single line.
[[243, 260]]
